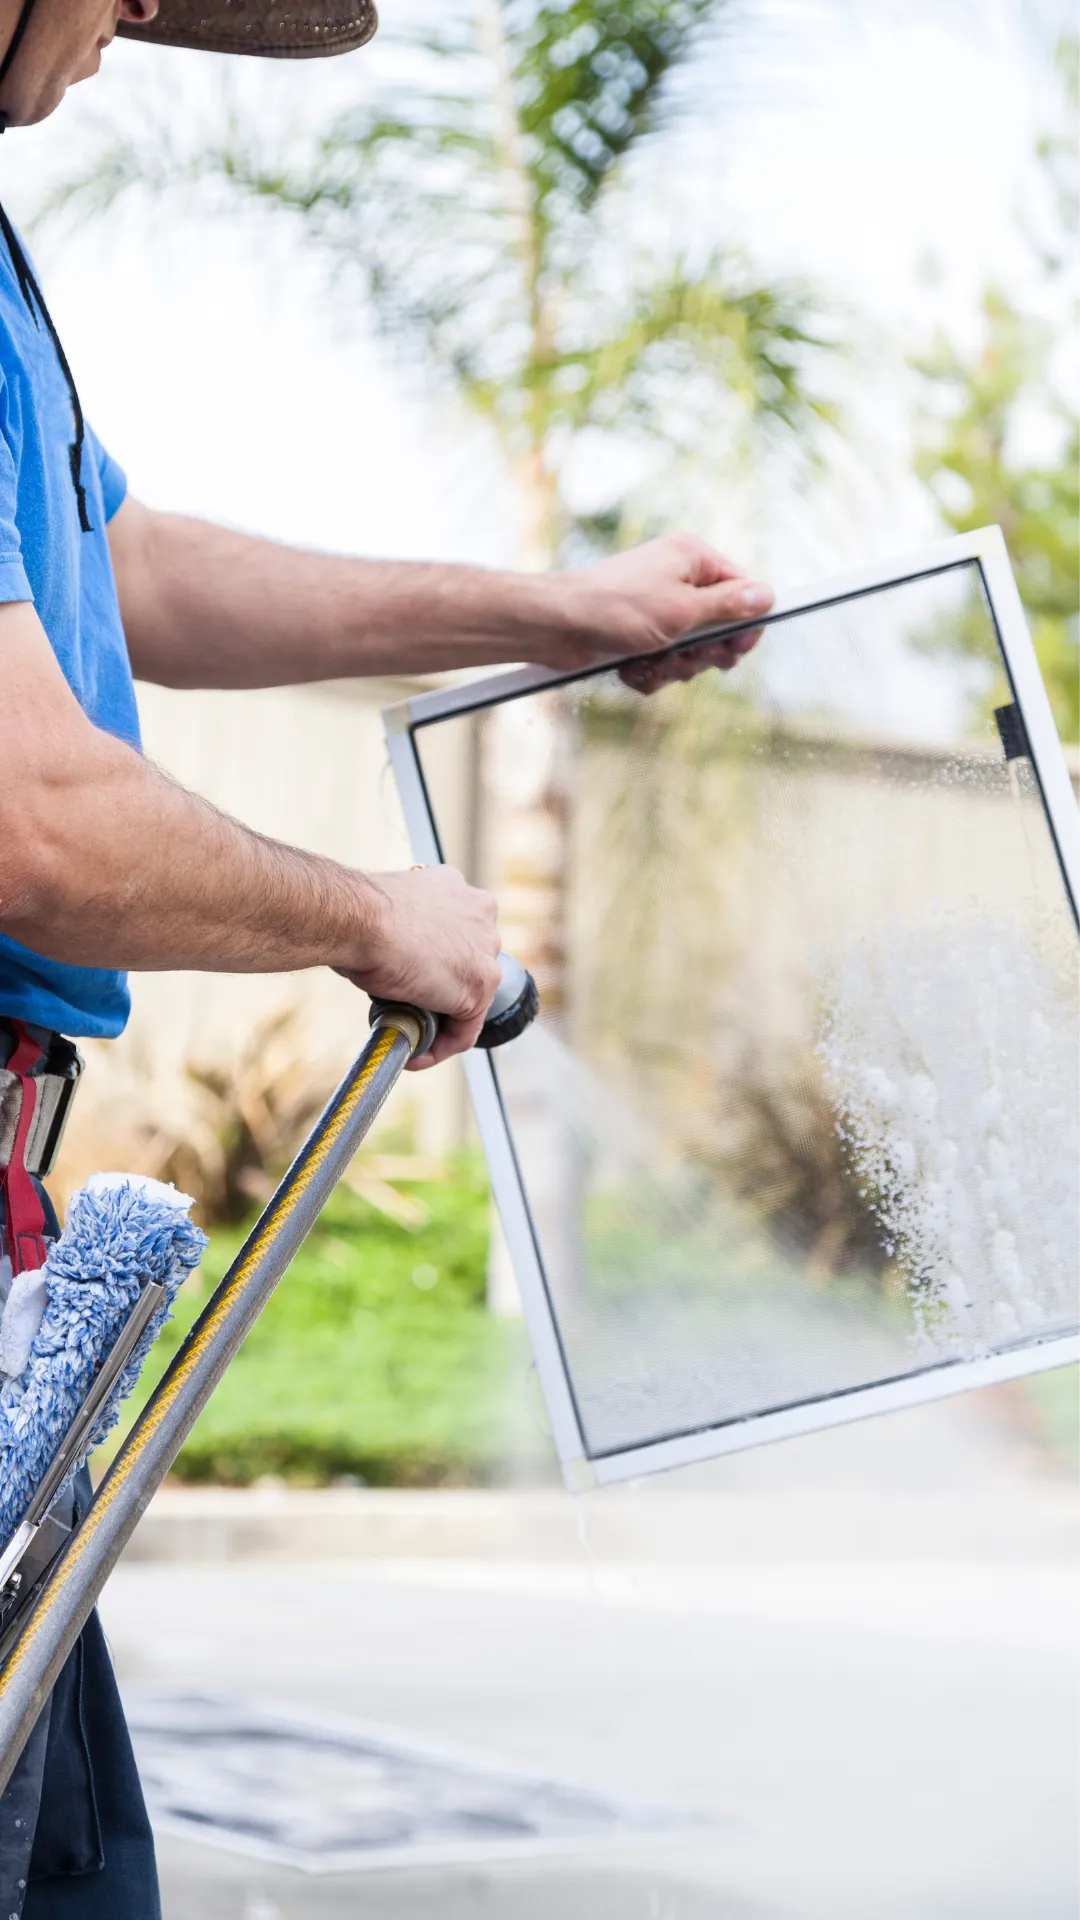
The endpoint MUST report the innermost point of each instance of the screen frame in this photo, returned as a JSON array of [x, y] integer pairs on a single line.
[[405, 719]]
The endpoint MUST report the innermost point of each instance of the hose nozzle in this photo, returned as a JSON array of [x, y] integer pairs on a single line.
[[515, 1007]]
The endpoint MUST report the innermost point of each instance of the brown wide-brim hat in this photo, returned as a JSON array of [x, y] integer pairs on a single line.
[[276, 29]]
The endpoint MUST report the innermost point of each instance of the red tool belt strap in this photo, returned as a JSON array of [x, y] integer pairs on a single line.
[[22, 1210]]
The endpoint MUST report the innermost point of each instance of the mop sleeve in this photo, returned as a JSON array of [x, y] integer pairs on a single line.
[[122, 1232]]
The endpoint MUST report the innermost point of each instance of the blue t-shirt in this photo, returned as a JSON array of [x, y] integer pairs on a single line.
[[46, 557]]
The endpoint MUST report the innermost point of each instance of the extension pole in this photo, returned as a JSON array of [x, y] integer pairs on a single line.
[[37, 1645]]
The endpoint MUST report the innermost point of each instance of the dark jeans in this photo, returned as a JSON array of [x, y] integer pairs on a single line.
[[73, 1823]]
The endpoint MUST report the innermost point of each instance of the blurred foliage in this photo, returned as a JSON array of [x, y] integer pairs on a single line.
[[375, 1361], [787, 1161], [245, 1121], [228, 1133], [489, 202], [1054, 1400], [988, 409], [223, 1130], [978, 479]]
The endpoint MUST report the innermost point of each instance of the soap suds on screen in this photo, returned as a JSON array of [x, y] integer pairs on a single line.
[[951, 1058]]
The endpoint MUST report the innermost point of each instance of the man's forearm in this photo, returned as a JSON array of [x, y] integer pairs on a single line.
[[105, 862], [207, 607], [180, 885], [204, 607]]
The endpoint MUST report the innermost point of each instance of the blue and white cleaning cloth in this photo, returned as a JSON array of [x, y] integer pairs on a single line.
[[61, 1322]]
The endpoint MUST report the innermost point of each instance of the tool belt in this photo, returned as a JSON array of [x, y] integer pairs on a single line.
[[39, 1071]]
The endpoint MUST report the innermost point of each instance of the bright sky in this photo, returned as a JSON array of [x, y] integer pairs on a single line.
[[858, 145]]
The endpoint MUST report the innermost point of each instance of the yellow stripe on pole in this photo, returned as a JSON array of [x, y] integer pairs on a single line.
[[381, 1048]]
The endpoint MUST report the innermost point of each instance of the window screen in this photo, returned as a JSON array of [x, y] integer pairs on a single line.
[[799, 1116]]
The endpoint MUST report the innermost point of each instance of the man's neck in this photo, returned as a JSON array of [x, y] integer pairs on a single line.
[[14, 20]]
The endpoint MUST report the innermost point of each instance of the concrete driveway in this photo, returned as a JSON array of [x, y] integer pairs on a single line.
[[865, 1683]]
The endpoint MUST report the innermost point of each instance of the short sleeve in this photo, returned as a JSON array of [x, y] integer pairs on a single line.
[[113, 477], [14, 584]]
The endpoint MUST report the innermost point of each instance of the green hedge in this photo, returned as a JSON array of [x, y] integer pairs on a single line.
[[376, 1358]]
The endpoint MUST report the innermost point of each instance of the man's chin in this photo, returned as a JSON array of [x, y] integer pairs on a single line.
[[90, 66], [31, 113]]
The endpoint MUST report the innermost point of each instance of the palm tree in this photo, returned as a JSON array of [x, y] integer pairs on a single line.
[[488, 200], [973, 450]]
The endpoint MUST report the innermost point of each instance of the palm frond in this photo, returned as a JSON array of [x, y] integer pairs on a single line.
[[755, 340], [590, 81]]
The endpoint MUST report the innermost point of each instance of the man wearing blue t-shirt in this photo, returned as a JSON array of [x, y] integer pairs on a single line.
[[105, 864]]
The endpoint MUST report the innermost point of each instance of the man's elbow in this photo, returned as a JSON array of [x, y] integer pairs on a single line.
[[46, 857], [33, 892]]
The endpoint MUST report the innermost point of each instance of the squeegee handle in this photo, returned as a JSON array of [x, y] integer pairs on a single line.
[[38, 1642]]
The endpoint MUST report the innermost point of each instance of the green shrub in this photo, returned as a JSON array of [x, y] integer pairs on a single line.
[[376, 1358]]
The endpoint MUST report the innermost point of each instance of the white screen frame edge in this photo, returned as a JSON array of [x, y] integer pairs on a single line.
[[986, 547]]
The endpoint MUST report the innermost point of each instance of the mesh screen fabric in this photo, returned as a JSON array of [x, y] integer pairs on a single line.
[[800, 1114], [274, 29]]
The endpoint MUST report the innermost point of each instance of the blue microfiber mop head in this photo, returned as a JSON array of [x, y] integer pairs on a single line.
[[121, 1232]]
